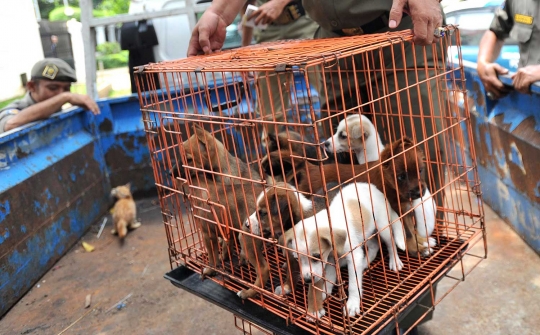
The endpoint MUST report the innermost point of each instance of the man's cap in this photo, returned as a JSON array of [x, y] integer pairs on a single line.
[[53, 69]]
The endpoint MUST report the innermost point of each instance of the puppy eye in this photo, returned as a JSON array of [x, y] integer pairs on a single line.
[[342, 135], [262, 214], [317, 256], [402, 177]]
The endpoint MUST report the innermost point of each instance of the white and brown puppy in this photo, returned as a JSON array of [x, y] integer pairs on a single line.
[[279, 208], [356, 213], [356, 133]]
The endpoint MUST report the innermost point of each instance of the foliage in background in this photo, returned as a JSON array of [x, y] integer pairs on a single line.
[[102, 8], [108, 48], [111, 55], [57, 14]]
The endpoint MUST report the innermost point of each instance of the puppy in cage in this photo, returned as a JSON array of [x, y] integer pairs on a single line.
[[279, 208], [358, 134], [399, 174], [212, 171], [359, 211]]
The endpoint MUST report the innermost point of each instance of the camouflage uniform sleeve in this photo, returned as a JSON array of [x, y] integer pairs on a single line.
[[502, 22], [5, 115]]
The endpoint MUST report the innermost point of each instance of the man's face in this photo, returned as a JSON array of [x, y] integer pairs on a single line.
[[45, 89]]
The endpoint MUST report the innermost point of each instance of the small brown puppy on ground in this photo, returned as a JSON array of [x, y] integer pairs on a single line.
[[398, 174], [124, 211]]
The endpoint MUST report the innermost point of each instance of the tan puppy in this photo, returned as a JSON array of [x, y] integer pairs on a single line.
[[355, 214], [227, 200], [124, 211], [203, 151]]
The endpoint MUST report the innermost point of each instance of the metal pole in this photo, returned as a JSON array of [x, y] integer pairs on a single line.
[[88, 35], [36, 9]]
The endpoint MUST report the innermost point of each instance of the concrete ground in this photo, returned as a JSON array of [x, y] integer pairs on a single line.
[[501, 296]]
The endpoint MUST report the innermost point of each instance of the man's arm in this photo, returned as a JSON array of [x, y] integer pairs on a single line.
[[44, 109], [209, 33], [490, 48]]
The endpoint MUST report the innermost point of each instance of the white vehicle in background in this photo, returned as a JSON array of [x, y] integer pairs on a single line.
[[473, 18], [173, 32]]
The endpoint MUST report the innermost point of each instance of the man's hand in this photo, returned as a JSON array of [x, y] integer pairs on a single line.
[[489, 74], [268, 12], [525, 77], [208, 35], [426, 16], [83, 101]]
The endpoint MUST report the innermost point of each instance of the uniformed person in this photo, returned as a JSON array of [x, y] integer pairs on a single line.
[[47, 91], [518, 19], [351, 17], [285, 20]]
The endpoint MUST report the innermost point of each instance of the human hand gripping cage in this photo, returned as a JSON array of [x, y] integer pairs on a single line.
[[333, 189]]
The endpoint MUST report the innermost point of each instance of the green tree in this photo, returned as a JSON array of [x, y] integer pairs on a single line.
[[115, 6]]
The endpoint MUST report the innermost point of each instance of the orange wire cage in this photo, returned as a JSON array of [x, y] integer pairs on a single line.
[[326, 180]]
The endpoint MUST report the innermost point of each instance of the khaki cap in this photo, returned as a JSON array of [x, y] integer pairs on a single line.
[[53, 69]]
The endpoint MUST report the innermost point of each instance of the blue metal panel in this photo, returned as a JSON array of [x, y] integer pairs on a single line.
[[507, 144]]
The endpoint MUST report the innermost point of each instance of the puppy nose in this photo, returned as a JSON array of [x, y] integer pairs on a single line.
[[307, 280], [266, 233], [415, 194], [327, 144]]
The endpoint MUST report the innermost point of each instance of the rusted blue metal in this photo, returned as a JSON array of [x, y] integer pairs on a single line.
[[507, 141], [55, 179]]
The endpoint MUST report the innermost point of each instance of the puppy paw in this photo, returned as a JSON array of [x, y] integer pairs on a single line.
[[427, 248], [246, 294], [280, 290], [313, 316], [134, 225], [207, 272], [353, 307], [395, 263]]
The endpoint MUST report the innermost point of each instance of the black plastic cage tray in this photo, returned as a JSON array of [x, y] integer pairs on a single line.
[[209, 290]]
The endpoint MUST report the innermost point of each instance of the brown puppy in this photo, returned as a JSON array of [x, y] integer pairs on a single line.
[[398, 174], [203, 151], [211, 169], [124, 211], [279, 208], [291, 141]]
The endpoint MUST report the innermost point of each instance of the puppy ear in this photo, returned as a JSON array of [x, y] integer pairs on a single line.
[[356, 131], [340, 237], [128, 185], [395, 148]]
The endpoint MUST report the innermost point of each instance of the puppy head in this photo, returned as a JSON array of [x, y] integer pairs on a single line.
[[122, 192], [279, 166], [318, 246], [405, 166], [277, 211], [203, 151], [351, 134]]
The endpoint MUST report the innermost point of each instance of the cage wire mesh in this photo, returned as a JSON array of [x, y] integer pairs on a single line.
[[330, 181]]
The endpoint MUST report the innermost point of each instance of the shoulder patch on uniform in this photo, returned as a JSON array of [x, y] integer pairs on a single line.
[[525, 19], [50, 71]]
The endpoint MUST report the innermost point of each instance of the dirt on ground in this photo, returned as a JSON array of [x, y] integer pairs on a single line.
[[501, 296]]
